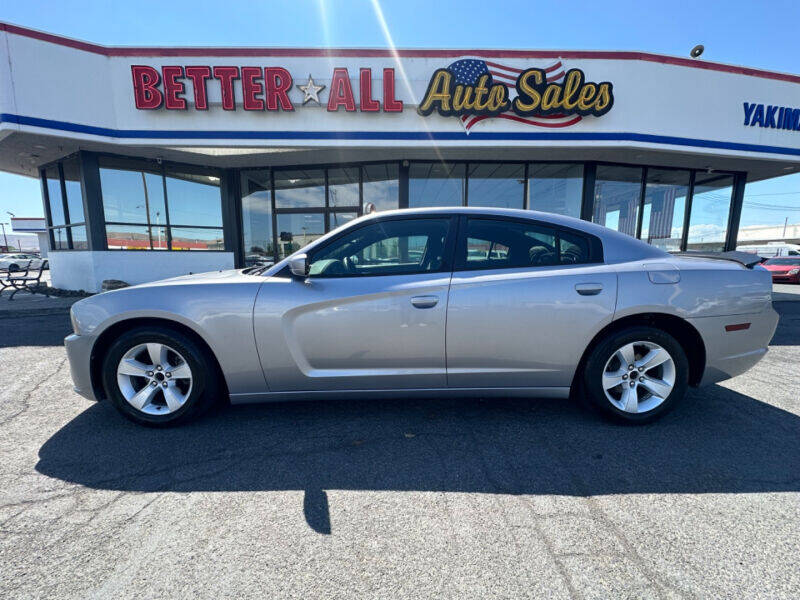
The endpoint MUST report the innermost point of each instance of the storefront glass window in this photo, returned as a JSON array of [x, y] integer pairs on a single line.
[[257, 217], [556, 188], [72, 183], [339, 218], [131, 195], [197, 238], [711, 203], [65, 175], [194, 199], [616, 197], [127, 237], [436, 184], [298, 230], [381, 186], [664, 205], [139, 215], [770, 214], [79, 238], [343, 187], [60, 240], [496, 185], [54, 195], [158, 238], [300, 188]]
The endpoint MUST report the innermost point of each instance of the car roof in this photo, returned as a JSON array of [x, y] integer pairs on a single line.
[[617, 247]]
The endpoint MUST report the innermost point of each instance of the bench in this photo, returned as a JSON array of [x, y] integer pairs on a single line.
[[5, 273], [27, 279]]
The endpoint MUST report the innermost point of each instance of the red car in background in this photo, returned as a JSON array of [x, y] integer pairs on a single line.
[[784, 269]]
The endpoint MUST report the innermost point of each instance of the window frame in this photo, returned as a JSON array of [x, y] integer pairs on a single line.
[[162, 169], [461, 264], [326, 210], [736, 188], [586, 200], [646, 183], [447, 256], [68, 224]]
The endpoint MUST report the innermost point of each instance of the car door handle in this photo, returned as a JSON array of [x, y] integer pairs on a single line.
[[425, 301], [588, 289]]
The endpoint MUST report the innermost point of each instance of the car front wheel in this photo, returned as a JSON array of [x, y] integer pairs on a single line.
[[637, 374], [158, 376]]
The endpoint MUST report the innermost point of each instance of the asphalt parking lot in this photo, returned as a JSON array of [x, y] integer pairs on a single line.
[[467, 499]]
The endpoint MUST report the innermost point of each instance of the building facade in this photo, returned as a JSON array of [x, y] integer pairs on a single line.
[[35, 226], [163, 161]]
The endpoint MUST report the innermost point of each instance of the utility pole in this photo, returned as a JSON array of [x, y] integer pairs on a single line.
[[5, 241], [785, 221]]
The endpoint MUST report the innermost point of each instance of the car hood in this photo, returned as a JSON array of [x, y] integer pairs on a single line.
[[189, 299], [780, 267], [229, 276]]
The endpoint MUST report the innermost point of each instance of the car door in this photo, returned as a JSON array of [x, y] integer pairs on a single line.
[[370, 315], [525, 300]]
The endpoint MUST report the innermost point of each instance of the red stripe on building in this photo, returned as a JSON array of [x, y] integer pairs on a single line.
[[387, 53]]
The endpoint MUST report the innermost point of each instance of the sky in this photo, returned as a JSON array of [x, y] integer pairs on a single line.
[[755, 34]]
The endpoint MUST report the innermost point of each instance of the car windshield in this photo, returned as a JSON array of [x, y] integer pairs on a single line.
[[783, 261]]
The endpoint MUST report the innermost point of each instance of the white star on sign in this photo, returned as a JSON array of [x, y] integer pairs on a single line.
[[310, 90]]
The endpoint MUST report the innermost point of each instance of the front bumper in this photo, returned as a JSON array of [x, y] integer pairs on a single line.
[[79, 354], [786, 278]]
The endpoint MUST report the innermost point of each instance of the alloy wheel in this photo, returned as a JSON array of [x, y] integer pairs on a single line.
[[154, 378], [639, 377]]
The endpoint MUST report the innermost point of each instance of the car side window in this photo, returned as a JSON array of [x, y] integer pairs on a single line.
[[505, 244], [392, 247]]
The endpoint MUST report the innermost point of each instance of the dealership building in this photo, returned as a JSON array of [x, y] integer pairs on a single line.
[[157, 162]]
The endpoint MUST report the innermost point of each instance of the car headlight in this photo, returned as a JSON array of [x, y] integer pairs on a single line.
[[73, 321], [85, 315], [794, 271]]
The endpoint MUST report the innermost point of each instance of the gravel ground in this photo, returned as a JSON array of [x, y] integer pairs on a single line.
[[437, 498]]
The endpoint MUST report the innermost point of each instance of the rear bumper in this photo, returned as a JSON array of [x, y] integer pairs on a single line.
[[731, 353], [79, 353]]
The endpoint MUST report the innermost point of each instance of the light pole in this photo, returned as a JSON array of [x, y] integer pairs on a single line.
[[5, 241], [158, 227]]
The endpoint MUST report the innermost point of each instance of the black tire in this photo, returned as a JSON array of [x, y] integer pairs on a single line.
[[600, 355], [14, 267], [204, 387]]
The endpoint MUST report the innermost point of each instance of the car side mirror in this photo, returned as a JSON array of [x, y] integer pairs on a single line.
[[298, 265]]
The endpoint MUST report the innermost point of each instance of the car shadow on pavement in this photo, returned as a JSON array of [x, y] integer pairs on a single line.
[[717, 441], [788, 332], [33, 330]]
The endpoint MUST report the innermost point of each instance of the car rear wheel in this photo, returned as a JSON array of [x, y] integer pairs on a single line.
[[637, 374], [159, 377]]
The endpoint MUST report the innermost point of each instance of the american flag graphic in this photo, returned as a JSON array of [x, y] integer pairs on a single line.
[[468, 71]]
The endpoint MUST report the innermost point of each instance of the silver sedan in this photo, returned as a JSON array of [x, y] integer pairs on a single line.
[[431, 302]]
